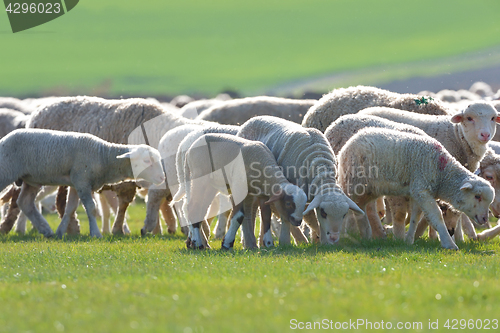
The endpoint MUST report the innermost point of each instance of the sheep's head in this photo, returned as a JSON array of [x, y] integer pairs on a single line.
[[146, 163], [479, 121], [331, 209], [290, 202], [450, 217], [474, 199]]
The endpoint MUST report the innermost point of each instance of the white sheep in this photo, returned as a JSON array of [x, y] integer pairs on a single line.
[[168, 148], [378, 162], [193, 109], [117, 121], [11, 120], [308, 161], [238, 111], [447, 95], [79, 160], [215, 161], [353, 99], [14, 104], [482, 89]]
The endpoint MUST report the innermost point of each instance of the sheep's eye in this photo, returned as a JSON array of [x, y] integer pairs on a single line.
[[489, 178], [323, 213], [492, 118], [288, 204], [478, 197], [469, 118]]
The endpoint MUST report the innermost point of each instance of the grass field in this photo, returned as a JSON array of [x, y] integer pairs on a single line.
[[165, 47], [156, 285]]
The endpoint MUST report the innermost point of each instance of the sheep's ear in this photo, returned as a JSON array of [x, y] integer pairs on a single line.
[[466, 186], [497, 119], [457, 118], [352, 206], [314, 204], [126, 155], [275, 197], [477, 172]]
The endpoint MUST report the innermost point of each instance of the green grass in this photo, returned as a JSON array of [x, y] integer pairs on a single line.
[[167, 47], [155, 284]]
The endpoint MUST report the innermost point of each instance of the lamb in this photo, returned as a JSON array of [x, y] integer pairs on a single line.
[[482, 89], [193, 109], [14, 104], [181, 100], [464, 134], [238, 111], [248, 168], [397, 162], [168, 148], [353, 99], [450, 96], [117, 121], [11, 120], [79, 160], [308, 161]]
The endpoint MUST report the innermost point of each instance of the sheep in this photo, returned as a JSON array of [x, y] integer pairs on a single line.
[[248, 167], [468, 95], [11, 120], [168, 148], [464, 134], [238, 111], [117, 121], [309, 162], [377, 162], [14, 104], [193, 109], [482, 89], [450, 96], [181, 100], [80, 160], [353, 99]]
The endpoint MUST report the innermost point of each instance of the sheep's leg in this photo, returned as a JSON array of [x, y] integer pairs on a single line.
[[399, 211], [311, 220], [105, 215], [126, 194], [155, 200], [12, 212], [205, 225], [433, 215], [248, 225], [421, 227], [21, 224], [88, 202], [120, 218], [266, 237], [468, 227], [275, 225], [221, 226], [388, 212], [432, 233], [298, 235], [70, 207], [285, 233], [415, 217], [489, 233], [364, 226], [459, 234], [378, 230], [381, 207], [26, 202], [168, 216], [236, 219]]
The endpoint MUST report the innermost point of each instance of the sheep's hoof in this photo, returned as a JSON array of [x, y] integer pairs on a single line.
[[59, 234], [143, 232], [189, 244], [117, 232], [171, 232]]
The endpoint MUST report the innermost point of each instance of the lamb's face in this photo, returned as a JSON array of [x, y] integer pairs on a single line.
[[330, 215], [450, 217], [476, 195], [492, 174], [292, 204], [146, 164], [478, 121]]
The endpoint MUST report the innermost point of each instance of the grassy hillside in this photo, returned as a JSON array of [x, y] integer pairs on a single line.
[[166, 47]]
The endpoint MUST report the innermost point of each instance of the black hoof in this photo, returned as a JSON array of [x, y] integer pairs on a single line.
[[143, 232]]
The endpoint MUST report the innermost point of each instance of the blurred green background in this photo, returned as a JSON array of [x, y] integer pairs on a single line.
[[113, 48]]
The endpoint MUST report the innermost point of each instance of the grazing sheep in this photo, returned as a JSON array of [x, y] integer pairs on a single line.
[[308, 161], [181, 100], [394, 164], [82, 161], [353, 99], [169, 148], [14, 104], [193, 109], [482, 89], [11, 120], [117, 121], [248, 168], [464, 135], [468, 95], [450, 96], [238, 111]]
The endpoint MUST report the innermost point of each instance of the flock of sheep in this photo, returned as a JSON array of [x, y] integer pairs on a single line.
[[325, 168]]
